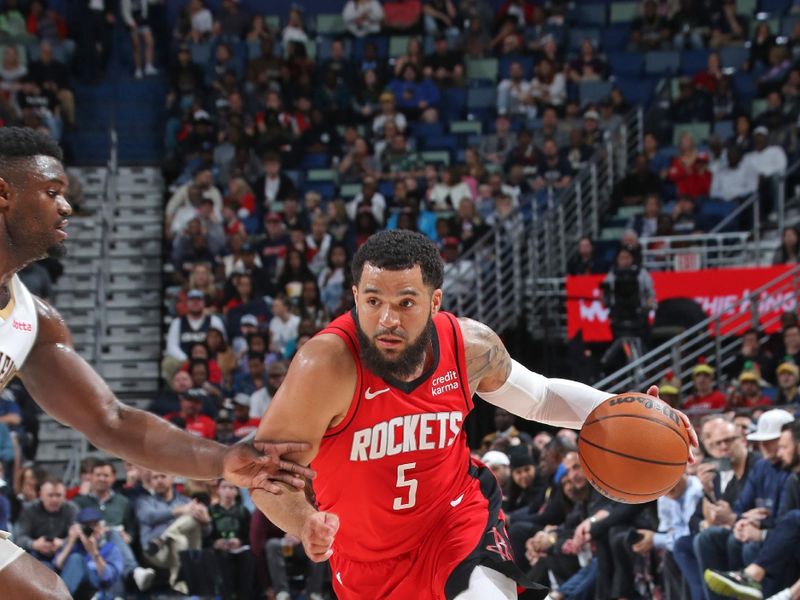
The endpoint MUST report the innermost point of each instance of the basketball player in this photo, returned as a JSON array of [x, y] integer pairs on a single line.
[[381, 396], [35, 344]]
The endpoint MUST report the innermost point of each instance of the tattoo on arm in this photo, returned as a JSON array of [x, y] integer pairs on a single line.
[[488, 361]]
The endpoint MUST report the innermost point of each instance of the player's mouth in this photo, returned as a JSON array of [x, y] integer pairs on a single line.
[[60, 229], [389, 341]]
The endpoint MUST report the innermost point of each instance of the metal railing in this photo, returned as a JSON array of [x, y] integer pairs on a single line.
[[80, 446], [491, 280], [716, 338], [698, 251]]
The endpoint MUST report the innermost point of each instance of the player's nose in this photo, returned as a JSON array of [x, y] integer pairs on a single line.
[[389, 318], [64, 207]]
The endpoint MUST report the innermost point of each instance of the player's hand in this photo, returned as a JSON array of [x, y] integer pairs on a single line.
[[260, 465], [653, 391], [317, 535]]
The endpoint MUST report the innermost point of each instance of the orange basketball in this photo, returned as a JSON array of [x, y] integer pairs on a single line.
[[633, 448]]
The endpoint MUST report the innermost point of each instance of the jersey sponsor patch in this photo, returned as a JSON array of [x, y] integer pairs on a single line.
[[409, 433]]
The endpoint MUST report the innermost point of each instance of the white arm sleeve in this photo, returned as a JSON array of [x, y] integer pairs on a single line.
[[556, 402]]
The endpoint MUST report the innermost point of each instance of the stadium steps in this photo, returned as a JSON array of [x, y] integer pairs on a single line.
[[110, 294]]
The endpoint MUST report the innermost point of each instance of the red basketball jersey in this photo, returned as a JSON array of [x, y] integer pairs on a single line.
[[398, 462]]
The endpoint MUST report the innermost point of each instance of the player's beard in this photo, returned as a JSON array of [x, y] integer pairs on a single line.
[[408, 361], [58, 250]]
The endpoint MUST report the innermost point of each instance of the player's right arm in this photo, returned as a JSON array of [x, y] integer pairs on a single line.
[[314, 396]]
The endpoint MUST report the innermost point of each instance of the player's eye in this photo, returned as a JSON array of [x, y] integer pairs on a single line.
[[52, 193], [407, 303], [372, 301]]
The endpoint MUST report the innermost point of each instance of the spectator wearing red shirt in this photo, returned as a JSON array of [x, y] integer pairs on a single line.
[[709, 79], [243, 425], [705, 397], [192, 419], [749, 393], [689, 170]]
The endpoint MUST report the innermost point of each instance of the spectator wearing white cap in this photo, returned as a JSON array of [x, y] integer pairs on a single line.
[[766, 159], [499, 464], [721, 549]]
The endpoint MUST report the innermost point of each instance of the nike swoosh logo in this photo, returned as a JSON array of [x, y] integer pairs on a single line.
[[457, 501], [339, 577], [369, 395]]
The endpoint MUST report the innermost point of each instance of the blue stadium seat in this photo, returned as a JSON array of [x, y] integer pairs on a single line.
[[776, 8], [662, 62], [525, 61], [326, 189], [315, 161], [733, 56], [625, 64], [787, 24], [593, 91], [481, 98], [693, 61], [723, 129], [452, 103], [615, 37], [577, 35], [381, 46], [745, 86], [637, 90], [386, 188], [447, 142], [423, 130], [591, 15]]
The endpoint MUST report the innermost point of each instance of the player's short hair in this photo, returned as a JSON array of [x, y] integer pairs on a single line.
[[397, 250], [22, 142]]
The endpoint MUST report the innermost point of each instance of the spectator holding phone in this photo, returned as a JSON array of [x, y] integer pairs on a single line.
[[88, 560]]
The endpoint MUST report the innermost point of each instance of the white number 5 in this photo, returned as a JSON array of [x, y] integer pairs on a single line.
[[411, 484]]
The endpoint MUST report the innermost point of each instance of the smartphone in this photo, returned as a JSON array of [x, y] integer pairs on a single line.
[[721, 464], [87, 530]]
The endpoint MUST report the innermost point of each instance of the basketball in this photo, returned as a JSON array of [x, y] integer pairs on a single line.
[[633, 448]]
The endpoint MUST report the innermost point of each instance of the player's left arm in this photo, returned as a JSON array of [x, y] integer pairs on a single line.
[[502, 381], [67, 388]]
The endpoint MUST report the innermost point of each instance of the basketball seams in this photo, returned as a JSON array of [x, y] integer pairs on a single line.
[[645, 497], [644, 417], [622, 454], [636, 456]]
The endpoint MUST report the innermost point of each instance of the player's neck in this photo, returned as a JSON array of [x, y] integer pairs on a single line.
[[10, 261]]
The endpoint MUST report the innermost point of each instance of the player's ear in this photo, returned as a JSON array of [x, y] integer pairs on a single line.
[[355, 294], [436, 301], [5, 193]]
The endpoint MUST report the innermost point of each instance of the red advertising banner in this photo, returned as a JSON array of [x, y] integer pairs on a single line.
[[717, 291]]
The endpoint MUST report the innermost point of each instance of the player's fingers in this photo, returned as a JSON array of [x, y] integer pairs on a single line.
[[321, 556], [332, 521], [690, 430], [282, 448], [262, 482], [292, 467], [652, 391], [289, 479]]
